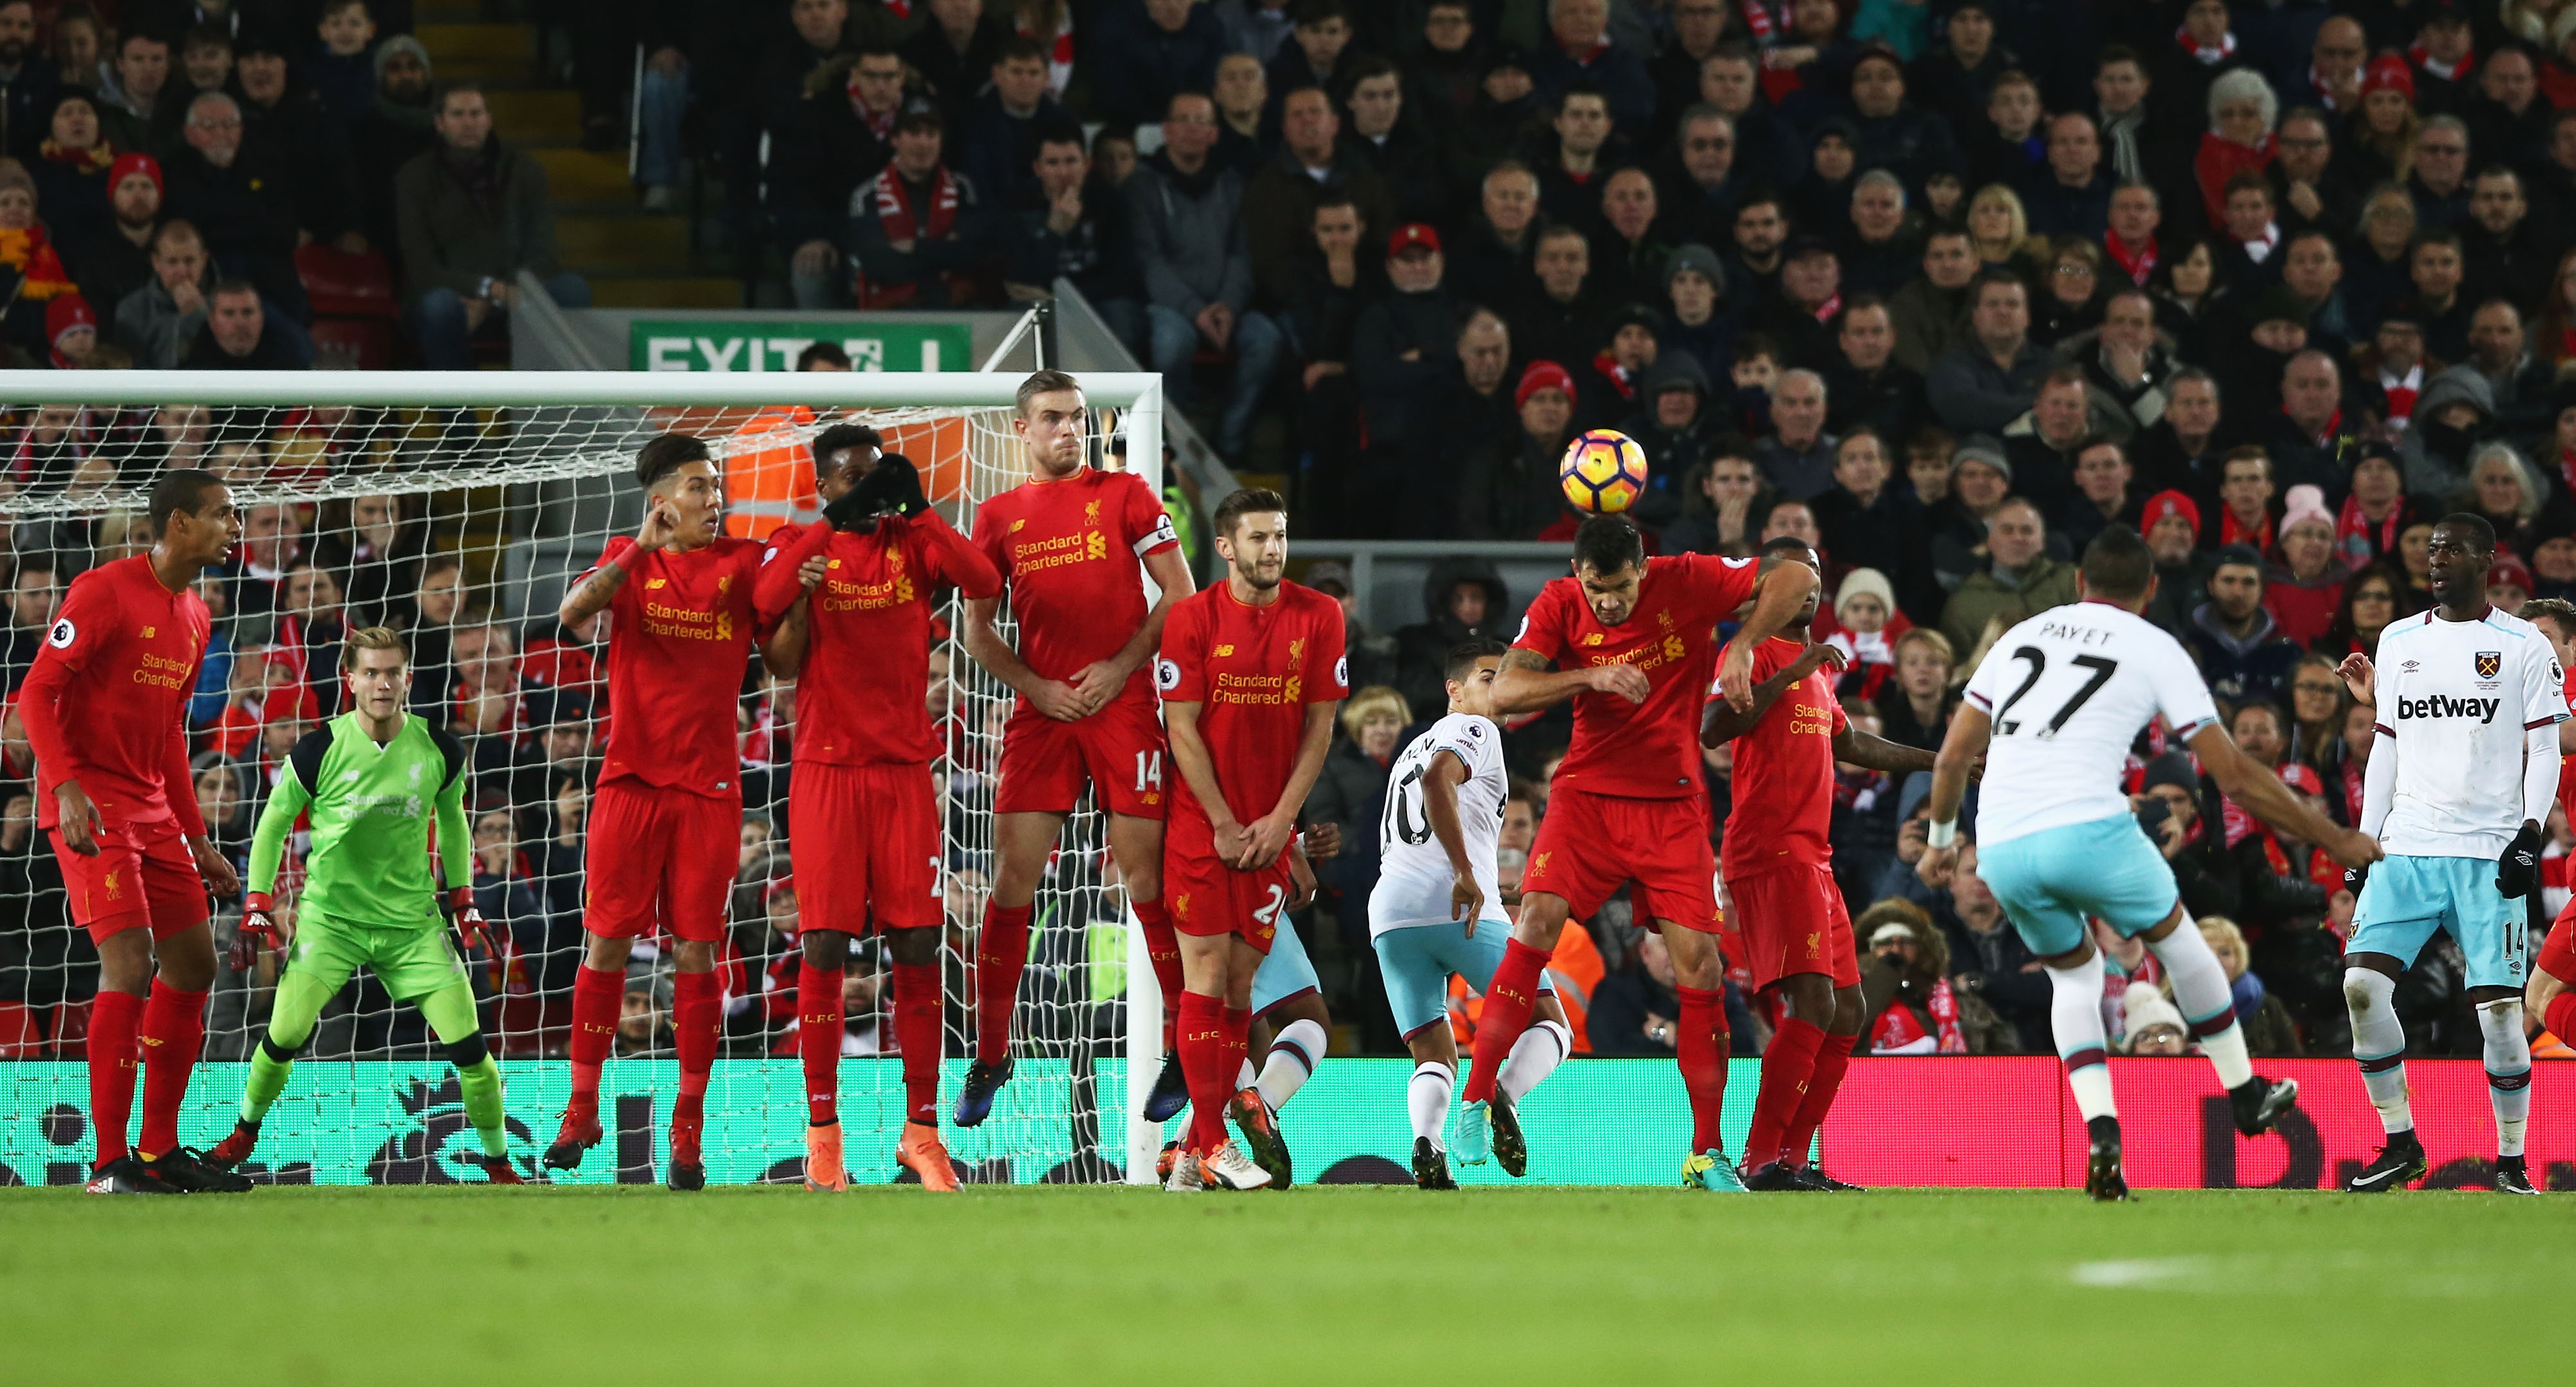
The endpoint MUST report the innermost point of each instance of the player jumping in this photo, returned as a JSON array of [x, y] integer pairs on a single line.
[[1636, 641], [2463, 774], [1438, 911], [1068, 542], [1251, 672], [105, 707], [858, 589], [1787, 909], [374, 781], [667, 814], [2060, 699]]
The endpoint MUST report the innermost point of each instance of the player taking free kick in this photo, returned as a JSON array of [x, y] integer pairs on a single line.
[[2054, 709], [1068, 543], [1251, 672], [666, 818], [374, 781], [1785, 906], [105, 707], [1635, 642], [2460, 780], [858, 589]]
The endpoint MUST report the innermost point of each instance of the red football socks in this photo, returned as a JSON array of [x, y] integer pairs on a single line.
[[819, 1022], [1786, 1069], [1203, 1063], [1699, 1046], [1508, 1000], [1001, 951], [111, 1069], [696, 1009], [1164, 947], [916, 1029], [597, 993], [172, 1031], [1832, 1062]]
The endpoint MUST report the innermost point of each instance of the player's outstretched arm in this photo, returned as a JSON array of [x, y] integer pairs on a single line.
[[1440, 782], [1970, 729], [1527, 685], [1778, 598], [784, 571], [1724, 722], [277, 819], [2266, 798], [1869, 751]]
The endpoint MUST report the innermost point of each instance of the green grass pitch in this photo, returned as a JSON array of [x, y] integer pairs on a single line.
[[635, 1285]]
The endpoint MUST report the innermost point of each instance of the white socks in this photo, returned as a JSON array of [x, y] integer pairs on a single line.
[[1427, 1099], [2075, 1015], [2508, 1071], [1292, 1061], [2379, 1046], [1534, 1056], [2200, 989]]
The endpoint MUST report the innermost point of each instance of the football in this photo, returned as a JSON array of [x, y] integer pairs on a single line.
[[1603, 470]]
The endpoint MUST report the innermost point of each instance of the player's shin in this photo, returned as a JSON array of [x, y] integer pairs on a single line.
[[1788, 1067], [1509, 999], [271, 1065], [1426, 1100], [1204, 1061], [819, 1023], [2200, 989], [1699, 1047], [1293, 1055], [112, 1064], [1163, 946], [1833, 1060], [1001, 953], [596, 996], [171, 1033], [2508, 1056], [1535, 1056], [916, 1029], [696, 1012], [2075, 1016], [480, 1082], [2379, 1045]]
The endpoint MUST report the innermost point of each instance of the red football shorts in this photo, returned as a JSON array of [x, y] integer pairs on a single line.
[[659, 857], [143, 877], [2558, 951], [1791, 920], [1118, 750], [1206, 897], [865, 845], [1589, 845]]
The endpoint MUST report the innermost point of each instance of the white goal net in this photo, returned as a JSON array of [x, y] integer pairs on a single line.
[[457, 508]]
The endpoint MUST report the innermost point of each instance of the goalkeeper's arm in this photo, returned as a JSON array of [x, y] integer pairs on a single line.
[[286, 804]]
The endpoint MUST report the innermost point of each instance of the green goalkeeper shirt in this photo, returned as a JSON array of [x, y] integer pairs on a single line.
[[372, 809]]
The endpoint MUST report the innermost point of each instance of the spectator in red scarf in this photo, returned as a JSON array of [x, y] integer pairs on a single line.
[[2304, 586], [1907, 1007], [919, 232], [2375, 512], [2281, 880], [2172, 808], [1867, 630], [2244, 501], [2242, 111]]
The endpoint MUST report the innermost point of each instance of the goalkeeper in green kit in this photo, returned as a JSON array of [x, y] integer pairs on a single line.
[[374, 780]]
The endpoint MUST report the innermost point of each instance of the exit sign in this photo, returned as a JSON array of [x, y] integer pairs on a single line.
[[773, 345]]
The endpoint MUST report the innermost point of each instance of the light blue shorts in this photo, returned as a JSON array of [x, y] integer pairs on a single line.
[[2407, 898], [2051, 880], [1285, 971], [1418, 960]]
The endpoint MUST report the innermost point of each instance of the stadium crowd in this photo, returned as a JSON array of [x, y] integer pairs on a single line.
[[1942, 289]]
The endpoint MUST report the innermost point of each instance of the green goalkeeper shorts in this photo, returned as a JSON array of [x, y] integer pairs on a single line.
[[412, 961]]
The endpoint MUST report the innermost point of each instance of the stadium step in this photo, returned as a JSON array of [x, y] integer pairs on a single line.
[[476, 41], [533, 116], [633, 240], [665, 291], [585, 175]]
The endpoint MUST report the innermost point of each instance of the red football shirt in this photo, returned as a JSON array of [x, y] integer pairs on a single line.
[[106, 701], [863, 694], [2567, 764], [1646, 750], [1252, 671], [1784, 773], [1070, 551], [679, 637]]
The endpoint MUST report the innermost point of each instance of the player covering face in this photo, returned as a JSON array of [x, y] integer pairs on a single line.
[[1251, 672], [2056, 706]]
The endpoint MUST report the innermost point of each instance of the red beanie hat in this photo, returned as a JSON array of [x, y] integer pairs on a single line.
[[65, 312], [127, 165], [2165, 503], [1542, 375], [2388, 72]]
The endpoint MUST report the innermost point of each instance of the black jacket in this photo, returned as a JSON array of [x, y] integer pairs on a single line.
[[1422, 649]]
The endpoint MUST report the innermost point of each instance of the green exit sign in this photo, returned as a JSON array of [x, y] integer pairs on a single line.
[[772, 345]]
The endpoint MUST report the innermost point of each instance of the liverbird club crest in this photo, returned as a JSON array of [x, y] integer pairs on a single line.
[[2489, 662]]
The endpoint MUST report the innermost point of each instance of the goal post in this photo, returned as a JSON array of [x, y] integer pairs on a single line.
[[384, 485]]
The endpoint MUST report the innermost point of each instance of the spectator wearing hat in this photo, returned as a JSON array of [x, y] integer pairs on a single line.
[[71, 333], [1401, 348], [472, 217], [1907, 1005], [1800, 315], [1675, 423], [399, 126], [2450, 416], [1892, 132], [1951, 79], [2149, 1026], [2170, 522], [1992, 377], [1509, 489], [2509, 586], [1694, 284], [2304, 586], [1463, 597], [2019, 579], [2280, 881], [71, 168], [117, 259], [2172, 802], [1866, 627], [2241, 649], [1980, 480], [1615, 372], [920, 232]]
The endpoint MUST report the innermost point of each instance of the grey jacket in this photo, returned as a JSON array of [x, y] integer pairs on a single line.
[[1191, 249], [150, 325], [452, 238], [1973, 395]]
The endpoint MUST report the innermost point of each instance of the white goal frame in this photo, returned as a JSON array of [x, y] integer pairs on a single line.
[[1137, 394]]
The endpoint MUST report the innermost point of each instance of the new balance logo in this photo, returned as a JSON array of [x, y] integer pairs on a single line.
[[2445, 706]]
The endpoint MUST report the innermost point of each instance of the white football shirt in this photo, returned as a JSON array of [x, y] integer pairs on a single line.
[[1413, 869], [2457, 698], [2069, 690]]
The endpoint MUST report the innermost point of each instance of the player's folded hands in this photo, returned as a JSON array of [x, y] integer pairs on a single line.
[[257, 931]]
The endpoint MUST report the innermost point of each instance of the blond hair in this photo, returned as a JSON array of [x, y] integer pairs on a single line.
[[372, 638], [1371, 701]]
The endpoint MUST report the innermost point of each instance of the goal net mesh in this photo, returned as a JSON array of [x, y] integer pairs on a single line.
[[462, 526]]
